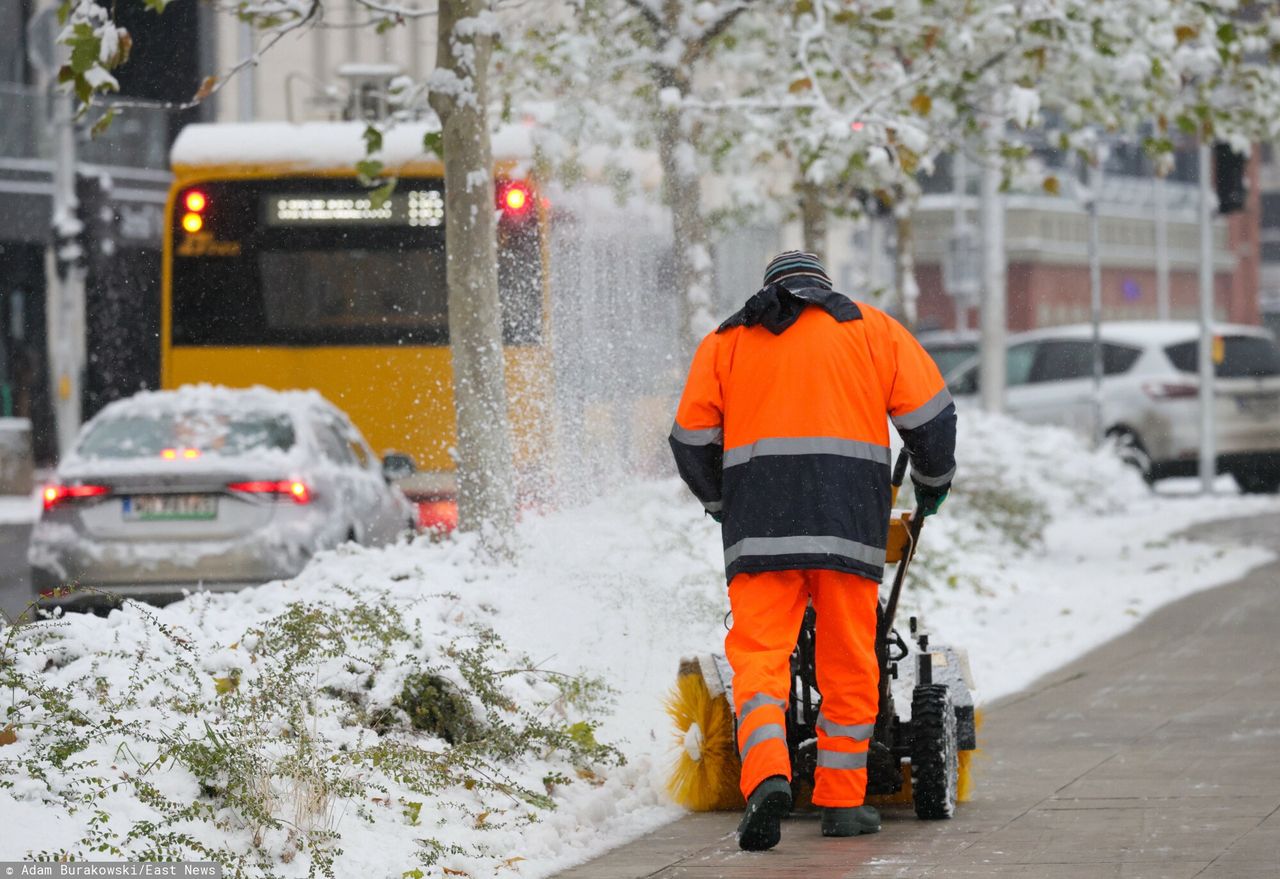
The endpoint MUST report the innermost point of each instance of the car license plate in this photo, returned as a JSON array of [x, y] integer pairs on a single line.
[[170, 507], [1259, 405]]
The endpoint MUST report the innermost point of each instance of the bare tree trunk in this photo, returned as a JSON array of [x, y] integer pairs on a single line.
[[695, 282], [485, 470], [813, 220]]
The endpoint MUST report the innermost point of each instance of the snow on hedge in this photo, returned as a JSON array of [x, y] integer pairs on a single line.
[[416, 711], [1047, 548]]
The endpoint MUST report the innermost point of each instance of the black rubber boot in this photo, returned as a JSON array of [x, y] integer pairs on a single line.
[[761, 825], [851, 821]]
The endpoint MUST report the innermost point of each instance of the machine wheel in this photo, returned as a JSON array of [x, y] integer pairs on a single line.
[[1258, 480], [935, 761], [1129, 449]]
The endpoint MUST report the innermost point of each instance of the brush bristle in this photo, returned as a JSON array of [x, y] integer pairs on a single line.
[[966, 782], [709, 783]]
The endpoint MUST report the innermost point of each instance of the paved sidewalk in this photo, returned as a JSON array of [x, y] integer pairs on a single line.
[[1157, 756]]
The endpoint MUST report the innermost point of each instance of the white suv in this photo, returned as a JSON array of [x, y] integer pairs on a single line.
[[1150, 405]]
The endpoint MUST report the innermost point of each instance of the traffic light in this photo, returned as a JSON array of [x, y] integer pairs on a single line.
[[1228, 177]]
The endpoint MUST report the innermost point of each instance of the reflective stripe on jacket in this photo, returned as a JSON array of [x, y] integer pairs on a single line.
[[784, 436]]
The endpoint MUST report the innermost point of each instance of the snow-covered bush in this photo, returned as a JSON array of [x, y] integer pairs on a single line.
[[1012, 480], [169, 744]]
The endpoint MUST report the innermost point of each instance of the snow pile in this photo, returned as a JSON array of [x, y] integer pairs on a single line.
[[20, 509], [351, 715], [1047, 548], [275, 722]]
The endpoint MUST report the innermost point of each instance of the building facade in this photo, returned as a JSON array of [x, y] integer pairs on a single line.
[[1047, 246]]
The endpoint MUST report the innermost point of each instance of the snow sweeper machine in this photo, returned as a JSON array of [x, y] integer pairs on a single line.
[[925, 731]]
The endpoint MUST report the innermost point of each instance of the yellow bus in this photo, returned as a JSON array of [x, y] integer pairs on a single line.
[[281, 270]]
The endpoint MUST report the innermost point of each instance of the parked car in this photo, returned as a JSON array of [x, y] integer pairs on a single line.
[[208, 488], [1150, 393], [950, 348]]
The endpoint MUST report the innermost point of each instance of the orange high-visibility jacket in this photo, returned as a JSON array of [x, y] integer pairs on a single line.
[[782, 431]]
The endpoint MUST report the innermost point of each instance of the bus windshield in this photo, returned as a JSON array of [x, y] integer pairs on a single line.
[[313, 261]]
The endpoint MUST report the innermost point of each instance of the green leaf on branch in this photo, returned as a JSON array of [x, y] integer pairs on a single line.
[[885, 14], [85, 46], [372, 140], [433, 142], [380, 195], [1227, 33], [1046, 28], [103, 123], [369, 170], [583, 735]]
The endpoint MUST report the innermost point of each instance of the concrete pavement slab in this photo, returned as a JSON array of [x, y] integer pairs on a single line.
[[1156, 756]]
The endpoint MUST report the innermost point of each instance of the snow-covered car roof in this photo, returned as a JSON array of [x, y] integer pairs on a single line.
[[948, 337], [1139, 332], [214, 400], [313, 145], [217, 398]]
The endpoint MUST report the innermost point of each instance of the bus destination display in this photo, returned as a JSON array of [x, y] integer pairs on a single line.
[[418, 207]]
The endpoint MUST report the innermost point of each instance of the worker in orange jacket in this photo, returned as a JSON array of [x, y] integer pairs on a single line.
[[782, 434]]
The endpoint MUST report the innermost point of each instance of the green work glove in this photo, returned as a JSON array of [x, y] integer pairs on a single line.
[[929, 500]]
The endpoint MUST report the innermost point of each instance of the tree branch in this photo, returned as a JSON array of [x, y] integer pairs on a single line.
[[655, 23], [715, 29], [397, 9]]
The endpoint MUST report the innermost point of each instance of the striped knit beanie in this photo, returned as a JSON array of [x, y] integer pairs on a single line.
[[796, 264]]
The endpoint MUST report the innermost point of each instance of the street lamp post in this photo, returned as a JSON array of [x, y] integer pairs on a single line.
[[1095, 286], [1208, 450], [65, 299], [994, 313]]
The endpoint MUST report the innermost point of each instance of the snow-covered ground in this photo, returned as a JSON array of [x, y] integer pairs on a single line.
[[1045, 550], [19, 509]]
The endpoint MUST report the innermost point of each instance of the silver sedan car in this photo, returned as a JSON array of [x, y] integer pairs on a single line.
[[1150, 393], [207, 488]]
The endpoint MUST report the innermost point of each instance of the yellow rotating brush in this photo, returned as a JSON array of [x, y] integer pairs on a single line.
[[705, 775]]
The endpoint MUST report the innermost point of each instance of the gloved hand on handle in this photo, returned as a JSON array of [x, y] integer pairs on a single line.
[[929, 499]]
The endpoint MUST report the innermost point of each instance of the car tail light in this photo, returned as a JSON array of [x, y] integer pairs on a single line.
[[438, 515], [298, 491], [1171, 390], [53, 495]]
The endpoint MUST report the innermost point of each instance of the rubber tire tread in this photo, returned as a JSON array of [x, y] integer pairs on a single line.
[[934, 753]]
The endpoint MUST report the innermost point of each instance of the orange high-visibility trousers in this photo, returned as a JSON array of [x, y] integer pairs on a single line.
[[768, 609]]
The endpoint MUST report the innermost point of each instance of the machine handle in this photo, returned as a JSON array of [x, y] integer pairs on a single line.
[[900, 469]]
